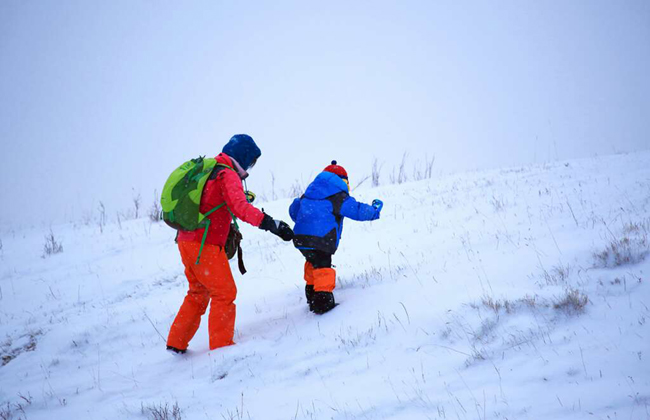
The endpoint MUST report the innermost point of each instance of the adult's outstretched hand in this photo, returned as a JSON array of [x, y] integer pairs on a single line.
[[277, 227]]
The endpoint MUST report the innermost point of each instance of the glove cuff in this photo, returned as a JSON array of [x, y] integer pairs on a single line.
[[267, 223]]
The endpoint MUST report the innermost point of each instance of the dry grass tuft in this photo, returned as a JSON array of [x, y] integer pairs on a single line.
[[162, 411], [572, 302]]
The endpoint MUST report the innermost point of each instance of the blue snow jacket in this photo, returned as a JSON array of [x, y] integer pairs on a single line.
[[320, 211]]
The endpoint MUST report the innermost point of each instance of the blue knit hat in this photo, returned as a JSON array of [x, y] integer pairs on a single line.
[[243, 149]]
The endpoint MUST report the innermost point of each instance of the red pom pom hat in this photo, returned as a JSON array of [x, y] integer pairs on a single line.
[[337, 169]]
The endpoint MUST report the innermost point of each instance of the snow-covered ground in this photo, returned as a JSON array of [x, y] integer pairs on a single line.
[[510, 294]]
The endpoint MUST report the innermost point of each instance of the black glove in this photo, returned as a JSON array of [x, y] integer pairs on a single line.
[[277, 227]]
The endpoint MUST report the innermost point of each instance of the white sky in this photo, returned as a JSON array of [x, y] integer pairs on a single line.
[[98, 99]]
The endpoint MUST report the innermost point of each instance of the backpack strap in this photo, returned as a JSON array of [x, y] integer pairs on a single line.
[[213, 175], [215, 172], [218, 168], [207, 226]]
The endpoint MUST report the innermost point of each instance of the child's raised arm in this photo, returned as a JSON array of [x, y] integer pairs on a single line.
[[361, 212]]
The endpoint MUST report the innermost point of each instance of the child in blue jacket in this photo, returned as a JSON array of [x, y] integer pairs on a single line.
[[318, 215]]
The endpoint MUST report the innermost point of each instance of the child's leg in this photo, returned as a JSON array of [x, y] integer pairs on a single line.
[[309, 274], [309, 286], [309, 278], [324, 280]]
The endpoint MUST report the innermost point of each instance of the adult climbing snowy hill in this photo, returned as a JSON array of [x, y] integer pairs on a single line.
[[203, 249]]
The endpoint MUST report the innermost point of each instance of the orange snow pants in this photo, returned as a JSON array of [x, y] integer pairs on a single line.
[[323, 279], [210, 282]]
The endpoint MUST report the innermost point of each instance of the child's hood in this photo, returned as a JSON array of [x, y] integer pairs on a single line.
[[325, 185]]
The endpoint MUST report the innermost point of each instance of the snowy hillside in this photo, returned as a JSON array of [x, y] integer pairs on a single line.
[[511, 294]]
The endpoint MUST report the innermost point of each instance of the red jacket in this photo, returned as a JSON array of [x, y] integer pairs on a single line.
[[227, 186]]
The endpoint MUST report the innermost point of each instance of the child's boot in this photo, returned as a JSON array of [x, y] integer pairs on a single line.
[[309, 294], [323, 302]]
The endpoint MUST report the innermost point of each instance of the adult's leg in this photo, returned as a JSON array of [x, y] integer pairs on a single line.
[[194, 305], [214, 273]]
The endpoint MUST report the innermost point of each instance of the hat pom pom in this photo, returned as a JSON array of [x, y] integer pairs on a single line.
[[333, 162]]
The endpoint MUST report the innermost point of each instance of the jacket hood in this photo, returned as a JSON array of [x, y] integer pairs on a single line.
[[243, 149], [325, 185]]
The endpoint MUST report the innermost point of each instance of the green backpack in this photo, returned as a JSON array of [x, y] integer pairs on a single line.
[[181, 197]]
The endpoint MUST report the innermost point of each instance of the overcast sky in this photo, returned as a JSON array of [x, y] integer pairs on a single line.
[[99, 99]]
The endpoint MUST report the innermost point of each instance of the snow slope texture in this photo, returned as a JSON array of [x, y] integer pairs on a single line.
[[511, 294]]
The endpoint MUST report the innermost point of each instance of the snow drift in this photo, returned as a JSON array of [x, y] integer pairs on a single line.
[[517, 293]]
